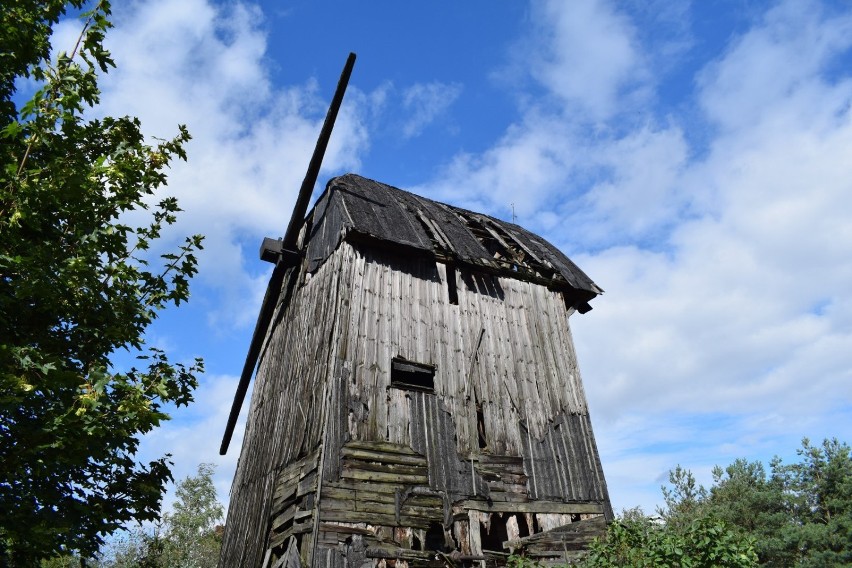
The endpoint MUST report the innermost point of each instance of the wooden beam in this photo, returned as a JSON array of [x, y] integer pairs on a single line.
[[533, 507]]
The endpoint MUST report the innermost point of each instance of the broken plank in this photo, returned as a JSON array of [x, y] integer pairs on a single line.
[[384, 476], [307, 484], [375, 518], [388, 468], [383, 497], [533, 507], [383, 457], [382, 447]]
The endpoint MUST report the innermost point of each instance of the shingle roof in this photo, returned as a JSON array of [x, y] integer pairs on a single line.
[[356, 208]]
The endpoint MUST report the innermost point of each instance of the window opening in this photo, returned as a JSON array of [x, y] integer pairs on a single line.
[[452, 290], [412, 376]]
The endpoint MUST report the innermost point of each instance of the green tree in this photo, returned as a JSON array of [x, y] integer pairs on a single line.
[[746, 498], [798, 514], [187, 538], [821, 485], [66, 561], [192, 540], [703, 542], [684, 499], [77, 284]]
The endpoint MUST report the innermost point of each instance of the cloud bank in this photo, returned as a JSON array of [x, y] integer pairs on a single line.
[[719, 229], [708, 192]]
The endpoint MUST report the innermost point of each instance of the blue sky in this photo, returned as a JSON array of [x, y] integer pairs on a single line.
[[694, 158]]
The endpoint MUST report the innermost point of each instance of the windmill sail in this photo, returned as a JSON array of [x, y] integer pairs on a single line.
[[284, 253]]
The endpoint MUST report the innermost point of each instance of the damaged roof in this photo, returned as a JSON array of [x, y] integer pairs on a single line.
[[355, 208]]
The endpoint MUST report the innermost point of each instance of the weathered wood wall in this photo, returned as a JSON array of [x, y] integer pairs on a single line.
[[398, 467], [524, 370], [285, 421]]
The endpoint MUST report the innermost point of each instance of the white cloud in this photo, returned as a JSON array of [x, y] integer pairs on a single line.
[[587, 54], [744, 312], [525, 168], [640, 190], [775, 72], [205, 65], [726, 265], [426, 102]]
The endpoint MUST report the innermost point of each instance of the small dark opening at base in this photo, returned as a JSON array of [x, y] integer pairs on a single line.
[[523, 528], [435, 538], [493, 540]]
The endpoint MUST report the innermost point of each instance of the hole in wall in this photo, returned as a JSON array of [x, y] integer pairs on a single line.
[[480, 426], [412, 376], [494, 538], [435, 537], [523, 528], [452, 290]]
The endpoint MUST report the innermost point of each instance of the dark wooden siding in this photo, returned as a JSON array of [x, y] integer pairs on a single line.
[[523, 369], [411, 458]]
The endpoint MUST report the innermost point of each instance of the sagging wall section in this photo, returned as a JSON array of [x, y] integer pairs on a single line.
[[340, 467]]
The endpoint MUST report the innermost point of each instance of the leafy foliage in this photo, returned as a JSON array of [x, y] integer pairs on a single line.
[[188, 538], [797, 514], [78, 283], [704, 542], [640, 541], [683, 499], [801, 513], [518, 561]]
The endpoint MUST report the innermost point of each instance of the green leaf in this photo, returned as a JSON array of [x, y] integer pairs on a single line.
[[74, 291]]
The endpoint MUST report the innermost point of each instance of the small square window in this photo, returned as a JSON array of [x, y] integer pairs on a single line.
[[413, 376]]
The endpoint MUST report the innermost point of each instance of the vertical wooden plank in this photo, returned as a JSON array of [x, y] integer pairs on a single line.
[[381, 363], [475, 535], [559, 464], [399, 417], [572, 480]]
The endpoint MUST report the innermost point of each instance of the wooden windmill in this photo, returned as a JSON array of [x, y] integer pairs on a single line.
[[418, 400]]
